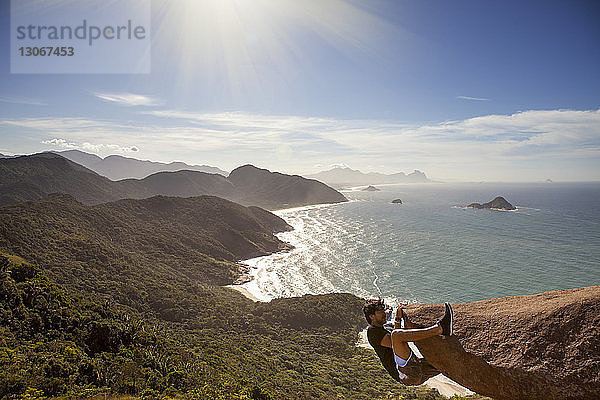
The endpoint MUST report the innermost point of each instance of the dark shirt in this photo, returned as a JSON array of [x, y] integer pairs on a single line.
[[385, 354]]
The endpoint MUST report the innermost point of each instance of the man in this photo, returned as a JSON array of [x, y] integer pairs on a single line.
[[392, 346]]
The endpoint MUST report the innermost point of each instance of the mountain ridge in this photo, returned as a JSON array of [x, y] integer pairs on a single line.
[[117, 167], [344, 176], [259, 183], [30, 177]]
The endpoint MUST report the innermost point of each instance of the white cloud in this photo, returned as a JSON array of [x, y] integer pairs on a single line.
[[472, 98], [60, 124], [491, 144], [60, 143], [90, 147], [129, 99]]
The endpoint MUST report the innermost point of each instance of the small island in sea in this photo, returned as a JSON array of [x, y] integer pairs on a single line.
[[371, 188], [396, 201], [499, 203]]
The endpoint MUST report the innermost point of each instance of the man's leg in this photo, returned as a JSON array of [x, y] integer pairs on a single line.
[[427, 370], [401, 337], [418, 370], [415, 334]]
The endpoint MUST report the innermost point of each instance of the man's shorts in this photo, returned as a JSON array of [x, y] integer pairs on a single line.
[[416, 371]]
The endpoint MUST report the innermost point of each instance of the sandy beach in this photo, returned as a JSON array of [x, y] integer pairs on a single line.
[[243, 291]]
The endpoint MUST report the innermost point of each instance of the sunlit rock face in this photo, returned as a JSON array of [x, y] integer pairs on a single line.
[[544, 346]]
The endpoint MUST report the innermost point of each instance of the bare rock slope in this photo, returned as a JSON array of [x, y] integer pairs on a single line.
[[544, 346]]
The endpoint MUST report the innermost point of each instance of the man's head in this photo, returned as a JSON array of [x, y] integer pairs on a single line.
[[375, 311]]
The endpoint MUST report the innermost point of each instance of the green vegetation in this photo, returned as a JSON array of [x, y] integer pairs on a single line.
[[54, 344], [125, 298], [167, 240]]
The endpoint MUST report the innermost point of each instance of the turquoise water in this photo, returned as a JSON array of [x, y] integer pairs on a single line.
[[431, 250]]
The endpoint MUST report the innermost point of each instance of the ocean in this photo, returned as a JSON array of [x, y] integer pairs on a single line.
[[431, 249]]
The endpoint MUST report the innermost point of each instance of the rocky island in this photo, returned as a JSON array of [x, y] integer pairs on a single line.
[[371, 188], [499, 203], [396, 201]]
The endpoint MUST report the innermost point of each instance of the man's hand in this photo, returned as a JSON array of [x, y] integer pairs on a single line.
[[399, 315], [399, 312]]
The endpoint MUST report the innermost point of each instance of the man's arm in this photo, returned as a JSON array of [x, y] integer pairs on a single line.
[[386, 341]]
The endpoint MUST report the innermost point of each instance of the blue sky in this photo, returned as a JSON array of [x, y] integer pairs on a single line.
[[465, 90]]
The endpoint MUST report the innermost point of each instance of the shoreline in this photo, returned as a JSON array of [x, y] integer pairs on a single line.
[[308, 207]]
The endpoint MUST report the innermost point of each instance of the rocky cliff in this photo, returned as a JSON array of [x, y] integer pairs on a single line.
[[544, 346]]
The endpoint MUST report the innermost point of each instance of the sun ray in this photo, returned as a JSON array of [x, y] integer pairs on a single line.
[[236, 46]]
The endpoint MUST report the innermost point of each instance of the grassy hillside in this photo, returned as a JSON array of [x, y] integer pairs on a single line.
[[30, 177], [180, 183], [140, 252]]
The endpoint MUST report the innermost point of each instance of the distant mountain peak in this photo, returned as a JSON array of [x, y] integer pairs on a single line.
[[117, 167], [288, 190], [343, 168], [249, 167], [343, 176]]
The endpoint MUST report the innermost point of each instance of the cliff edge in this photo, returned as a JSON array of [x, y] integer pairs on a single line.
[[544, 346]]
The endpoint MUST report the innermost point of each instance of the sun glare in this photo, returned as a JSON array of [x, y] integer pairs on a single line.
[[236, 43]]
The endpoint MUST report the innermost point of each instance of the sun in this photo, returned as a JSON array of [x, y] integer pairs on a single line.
[[240, 43]]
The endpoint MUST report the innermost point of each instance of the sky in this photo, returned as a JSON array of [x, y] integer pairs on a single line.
[[463, 90]]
